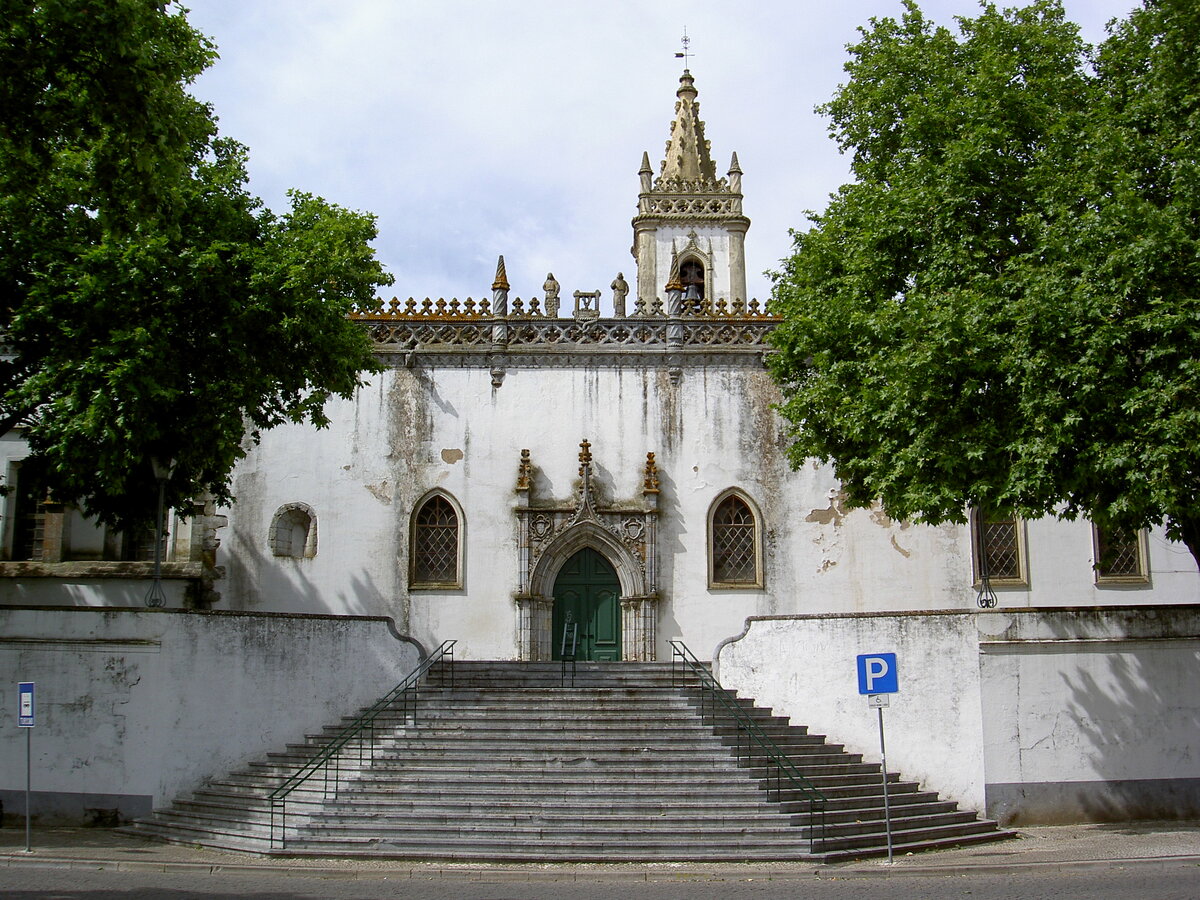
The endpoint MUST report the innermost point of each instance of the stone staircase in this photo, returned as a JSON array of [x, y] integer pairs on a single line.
[[510, 764]]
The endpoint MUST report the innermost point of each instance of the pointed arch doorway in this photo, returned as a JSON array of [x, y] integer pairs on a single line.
[[587, 592]]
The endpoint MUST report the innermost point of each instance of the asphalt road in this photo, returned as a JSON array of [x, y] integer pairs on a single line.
[[1165, 881]]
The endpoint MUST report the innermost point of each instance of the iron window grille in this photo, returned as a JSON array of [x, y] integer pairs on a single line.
[[734, 541], [436, 544]]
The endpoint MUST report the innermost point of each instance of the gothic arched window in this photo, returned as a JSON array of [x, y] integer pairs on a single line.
[[734, 543], [436, 545]]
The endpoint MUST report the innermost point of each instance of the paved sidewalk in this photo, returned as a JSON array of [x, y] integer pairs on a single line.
[[1148, 845]]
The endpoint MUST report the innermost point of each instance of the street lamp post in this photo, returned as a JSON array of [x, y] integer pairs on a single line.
[[156, 597]]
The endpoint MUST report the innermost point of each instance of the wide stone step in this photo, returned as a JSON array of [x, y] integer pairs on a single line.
[[544, 850], [578, 732], [529, 780], [657, 757], [483, 744], [509, 763], [657, 727], [498, 698], [349, 821], [515, 833], [912, 844], [560, 807], [227, 836], [446, 780], [869, 803], [903, 834], [844, 826]]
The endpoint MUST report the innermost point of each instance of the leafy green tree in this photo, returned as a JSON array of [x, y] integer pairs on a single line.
[[1002, 309], [154, 309]]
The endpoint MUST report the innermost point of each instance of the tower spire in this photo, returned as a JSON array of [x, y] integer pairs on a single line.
[[688, 155], [690, 226]]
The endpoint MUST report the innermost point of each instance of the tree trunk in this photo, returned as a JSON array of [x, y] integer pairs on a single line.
[[1189, 533]]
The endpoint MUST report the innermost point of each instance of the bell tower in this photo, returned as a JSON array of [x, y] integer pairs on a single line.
[[690, 218]]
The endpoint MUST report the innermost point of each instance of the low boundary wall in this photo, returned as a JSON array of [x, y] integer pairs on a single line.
[[137, 706], [1036, 716]]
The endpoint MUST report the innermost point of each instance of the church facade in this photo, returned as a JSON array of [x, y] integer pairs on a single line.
[[531, 478], [523, 466]]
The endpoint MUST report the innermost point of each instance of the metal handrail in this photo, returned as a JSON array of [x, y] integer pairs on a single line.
[[571, 632], [776, 760], [403, 695]]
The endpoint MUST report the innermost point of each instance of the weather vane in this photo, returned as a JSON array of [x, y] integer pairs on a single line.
[[684, 54]]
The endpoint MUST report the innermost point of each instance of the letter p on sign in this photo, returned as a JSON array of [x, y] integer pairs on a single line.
[[877, 673]]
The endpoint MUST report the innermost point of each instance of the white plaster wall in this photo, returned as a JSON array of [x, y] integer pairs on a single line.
[[1060, 561], [804, 667], [411, 430], [148, 703], [1105, 695]]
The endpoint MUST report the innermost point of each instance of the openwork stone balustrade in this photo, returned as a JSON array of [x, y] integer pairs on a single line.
[[471, 323]]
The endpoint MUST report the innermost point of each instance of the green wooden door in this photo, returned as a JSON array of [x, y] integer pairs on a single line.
[[587, 592]]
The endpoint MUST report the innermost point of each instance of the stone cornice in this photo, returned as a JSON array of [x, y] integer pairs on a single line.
[[732, 221], [80, 569]]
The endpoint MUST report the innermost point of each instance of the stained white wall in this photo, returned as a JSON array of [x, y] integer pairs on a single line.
[[448, 426], [443, 424], [805, 668], [137, 706], [1091, 715], [1034, 716], [412, 430]]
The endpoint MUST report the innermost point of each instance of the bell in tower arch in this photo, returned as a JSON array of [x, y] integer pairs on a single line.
[[691, 274]]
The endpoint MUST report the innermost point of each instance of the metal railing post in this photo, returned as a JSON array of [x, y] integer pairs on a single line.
[[404, 693], [774, 760]]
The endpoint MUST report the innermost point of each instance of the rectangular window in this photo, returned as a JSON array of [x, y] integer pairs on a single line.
[[1120, 556], [28, 505], [998, 544]]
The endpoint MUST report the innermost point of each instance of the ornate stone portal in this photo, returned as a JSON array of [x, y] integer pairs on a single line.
[[625, 534]]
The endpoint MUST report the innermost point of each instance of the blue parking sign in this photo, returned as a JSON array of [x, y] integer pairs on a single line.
[[877, 673], [25, 704]]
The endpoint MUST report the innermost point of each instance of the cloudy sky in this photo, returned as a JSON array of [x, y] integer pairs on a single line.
[[474, 128]]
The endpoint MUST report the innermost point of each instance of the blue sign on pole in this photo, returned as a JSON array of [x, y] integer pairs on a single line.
[[877, 673], [25, 704]]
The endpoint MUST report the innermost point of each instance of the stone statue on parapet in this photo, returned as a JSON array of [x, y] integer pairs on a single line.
[[551, 287], [620, 288]]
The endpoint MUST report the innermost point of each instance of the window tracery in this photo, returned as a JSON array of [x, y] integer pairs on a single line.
[[436, 544], [734, 543], [998, 540], [1120, 555]]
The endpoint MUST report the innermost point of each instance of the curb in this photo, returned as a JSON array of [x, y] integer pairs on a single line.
[[574, 875]]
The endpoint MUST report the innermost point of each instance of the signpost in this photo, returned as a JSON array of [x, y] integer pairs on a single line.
[[878, 678], [26, 716]]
